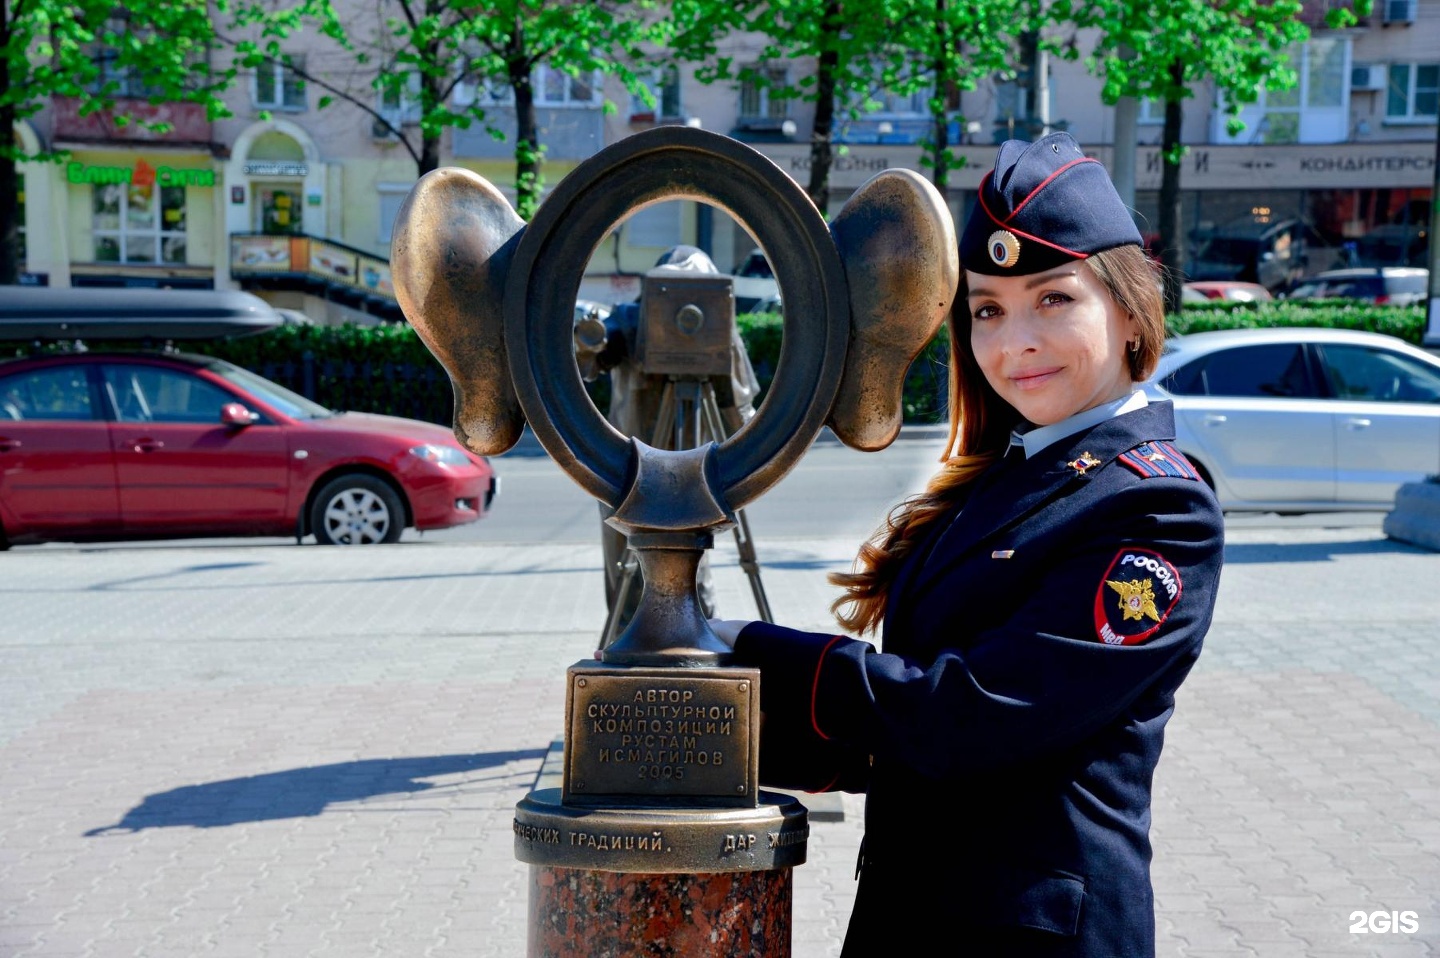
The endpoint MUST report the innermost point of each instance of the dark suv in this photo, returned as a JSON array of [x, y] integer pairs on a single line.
[[1253, 249]]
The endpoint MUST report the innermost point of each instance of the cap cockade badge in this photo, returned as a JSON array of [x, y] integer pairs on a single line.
[[1086, 462], [1004, 248]]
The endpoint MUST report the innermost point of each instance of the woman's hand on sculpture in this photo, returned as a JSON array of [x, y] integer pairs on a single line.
[[728, 630]]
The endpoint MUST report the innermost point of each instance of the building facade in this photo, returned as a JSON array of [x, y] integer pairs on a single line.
[[297, 202]]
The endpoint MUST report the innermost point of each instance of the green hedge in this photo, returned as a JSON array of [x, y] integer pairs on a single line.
[[387, 369]]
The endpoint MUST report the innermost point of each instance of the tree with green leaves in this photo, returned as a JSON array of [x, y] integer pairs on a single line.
[[1162, 52], [90, 51], [849, 41], [453, 62], [948, 46]]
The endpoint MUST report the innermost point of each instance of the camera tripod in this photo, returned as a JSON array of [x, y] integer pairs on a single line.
[[688, 415]]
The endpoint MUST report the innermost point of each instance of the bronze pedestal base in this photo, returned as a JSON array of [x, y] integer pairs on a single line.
[[585, 914]]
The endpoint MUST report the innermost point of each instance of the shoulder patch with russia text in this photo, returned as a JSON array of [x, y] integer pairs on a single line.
[[1134, 597]]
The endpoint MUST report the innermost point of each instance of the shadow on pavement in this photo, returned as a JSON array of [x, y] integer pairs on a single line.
[[1243, 552], [300, 792]]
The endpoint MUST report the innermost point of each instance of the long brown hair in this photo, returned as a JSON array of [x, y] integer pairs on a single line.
[[980, 423]]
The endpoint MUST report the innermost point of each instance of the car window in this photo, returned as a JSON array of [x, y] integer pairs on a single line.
[[1362, 372], [59, 393], [1185, 380], [1271, 370], [1407, 284], [291, 404], [155, 394], [1360, 287]]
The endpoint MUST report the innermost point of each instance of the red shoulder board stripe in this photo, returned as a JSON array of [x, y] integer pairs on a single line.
[[1155, 458]]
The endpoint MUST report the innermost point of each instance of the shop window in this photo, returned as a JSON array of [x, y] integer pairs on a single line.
[[279, 85], [1414, 92], [757, 97], [139, 223], [664, 86], [555, 87]]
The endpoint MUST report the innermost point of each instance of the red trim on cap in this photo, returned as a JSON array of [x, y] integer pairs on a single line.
[[1016, 212], [1019, 232], [815, 686]]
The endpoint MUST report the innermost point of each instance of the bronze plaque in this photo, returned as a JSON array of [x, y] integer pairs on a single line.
[[686, 325], [773, 834], [656, 735]]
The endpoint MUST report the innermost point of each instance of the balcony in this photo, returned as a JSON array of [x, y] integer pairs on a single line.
[[189, 125]]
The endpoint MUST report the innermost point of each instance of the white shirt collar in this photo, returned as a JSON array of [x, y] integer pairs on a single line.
[[1036, 438]]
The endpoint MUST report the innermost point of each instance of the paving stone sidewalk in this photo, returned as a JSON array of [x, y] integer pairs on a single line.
[[268, 750]]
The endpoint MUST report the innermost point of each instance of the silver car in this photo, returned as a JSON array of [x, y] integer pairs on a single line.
[[1303, 420]]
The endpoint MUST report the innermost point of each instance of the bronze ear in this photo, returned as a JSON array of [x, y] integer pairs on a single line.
[[453, 241], [902, 266]]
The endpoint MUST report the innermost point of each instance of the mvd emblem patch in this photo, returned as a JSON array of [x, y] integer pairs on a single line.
[[1134, 597]]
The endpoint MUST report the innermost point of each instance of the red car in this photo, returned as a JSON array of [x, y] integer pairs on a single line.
[[100, 446]]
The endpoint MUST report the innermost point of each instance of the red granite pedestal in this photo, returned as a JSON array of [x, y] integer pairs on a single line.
[[577, 913]]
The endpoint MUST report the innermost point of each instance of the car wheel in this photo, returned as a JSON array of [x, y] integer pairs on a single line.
[[356, 509]]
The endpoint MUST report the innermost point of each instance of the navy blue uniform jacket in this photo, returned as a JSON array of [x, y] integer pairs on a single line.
[[1007, 733]]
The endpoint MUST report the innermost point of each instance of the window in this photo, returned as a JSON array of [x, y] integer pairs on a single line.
[[1151, 112], [1359, 372], [392, 196], [152, 394], [1272, 371], [278, 86], [114, 77], [400, 96], [657, 225], [664, 86], [554, 87], [61, 393], [757, 98], [139, 222], [1311, 111], [1413, 92]]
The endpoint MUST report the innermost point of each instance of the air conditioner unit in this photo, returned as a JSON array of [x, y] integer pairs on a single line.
[[1399, 11], [1367, 76]]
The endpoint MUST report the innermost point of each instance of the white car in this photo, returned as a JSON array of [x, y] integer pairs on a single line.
[[1303, 420]]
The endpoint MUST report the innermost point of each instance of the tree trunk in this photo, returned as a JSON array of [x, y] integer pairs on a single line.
[[821, 154], [1172, 239], [527, 145], [940, 141], [430, 100]]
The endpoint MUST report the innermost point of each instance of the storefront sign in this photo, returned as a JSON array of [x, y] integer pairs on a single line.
[[142, 174], [265, 254], [1289, 166], [275, 168], [332, 262]]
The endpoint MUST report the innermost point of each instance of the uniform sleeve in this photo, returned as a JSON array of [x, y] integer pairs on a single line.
[[1048, 677]]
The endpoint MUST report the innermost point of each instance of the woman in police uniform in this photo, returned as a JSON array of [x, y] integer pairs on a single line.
[[1039, 605]]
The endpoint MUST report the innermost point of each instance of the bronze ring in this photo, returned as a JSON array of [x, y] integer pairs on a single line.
[[654, 165]]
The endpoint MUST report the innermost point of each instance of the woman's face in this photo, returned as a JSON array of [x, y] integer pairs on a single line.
[[1051, 344]]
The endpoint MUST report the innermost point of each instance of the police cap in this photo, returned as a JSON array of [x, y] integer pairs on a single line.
[[1043, 205]]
